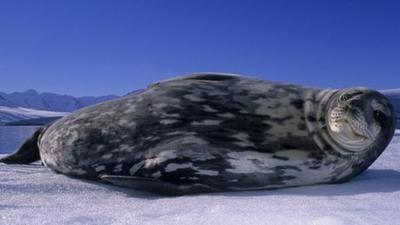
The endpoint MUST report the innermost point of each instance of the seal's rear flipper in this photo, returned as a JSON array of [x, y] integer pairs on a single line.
[[27, 153], [155, 185]]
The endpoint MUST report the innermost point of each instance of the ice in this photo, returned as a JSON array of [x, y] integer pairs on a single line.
[[31, 194], [8, 114]]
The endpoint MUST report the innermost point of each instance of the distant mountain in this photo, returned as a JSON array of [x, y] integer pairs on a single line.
[[28, 105], [49, 101]]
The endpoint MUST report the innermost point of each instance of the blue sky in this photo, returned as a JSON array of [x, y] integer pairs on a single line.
[[96, 47]]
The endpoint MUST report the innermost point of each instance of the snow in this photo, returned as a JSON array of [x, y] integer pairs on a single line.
[[31, 194], [20, 113], [394, 91], [30, 104], [49, 101], [31, 112]]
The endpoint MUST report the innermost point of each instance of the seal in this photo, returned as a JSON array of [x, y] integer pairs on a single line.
[[218, 132]]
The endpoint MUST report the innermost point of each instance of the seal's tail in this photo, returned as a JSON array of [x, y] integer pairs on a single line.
[[27, 153]]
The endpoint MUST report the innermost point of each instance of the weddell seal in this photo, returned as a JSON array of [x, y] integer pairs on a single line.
[[218, 132]]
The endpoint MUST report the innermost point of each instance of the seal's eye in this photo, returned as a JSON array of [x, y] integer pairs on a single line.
[[349, 95], [379, 116], [344, 97]]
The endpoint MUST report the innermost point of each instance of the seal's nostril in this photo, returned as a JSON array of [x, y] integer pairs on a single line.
[[356, 103]]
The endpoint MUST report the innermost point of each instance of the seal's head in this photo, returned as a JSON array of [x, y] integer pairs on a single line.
[[360, 119]]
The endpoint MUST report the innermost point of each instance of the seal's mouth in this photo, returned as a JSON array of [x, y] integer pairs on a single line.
[[356, 118], [352, 126]]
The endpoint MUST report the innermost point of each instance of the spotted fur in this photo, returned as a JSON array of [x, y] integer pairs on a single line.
[[214, 130]]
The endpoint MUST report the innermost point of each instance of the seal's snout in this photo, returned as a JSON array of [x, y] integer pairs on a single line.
[[360, 119]]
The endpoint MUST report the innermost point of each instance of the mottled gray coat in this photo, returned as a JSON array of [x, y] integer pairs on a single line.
[[205, 132]]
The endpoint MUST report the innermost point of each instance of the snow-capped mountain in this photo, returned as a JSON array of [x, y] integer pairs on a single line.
[[49, 101], [30, 104]]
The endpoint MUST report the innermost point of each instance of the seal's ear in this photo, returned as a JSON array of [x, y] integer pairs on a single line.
[[27, 153]]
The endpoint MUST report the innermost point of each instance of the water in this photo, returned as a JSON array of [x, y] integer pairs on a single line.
[[11, 137]]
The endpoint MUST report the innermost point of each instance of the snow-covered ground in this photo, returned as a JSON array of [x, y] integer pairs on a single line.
[[31, 194], [8, 114]]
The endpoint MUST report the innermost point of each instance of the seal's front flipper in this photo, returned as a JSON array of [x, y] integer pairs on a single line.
[[155, 185], [27, 153]]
